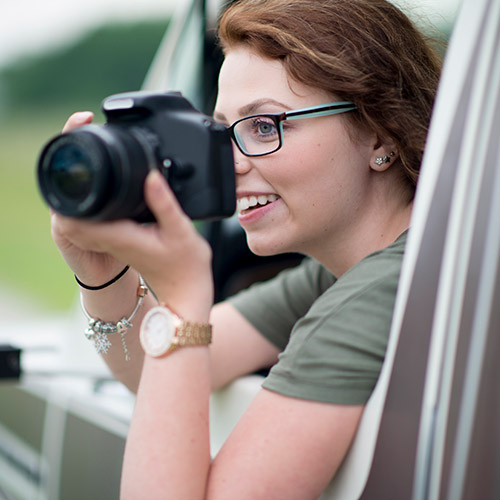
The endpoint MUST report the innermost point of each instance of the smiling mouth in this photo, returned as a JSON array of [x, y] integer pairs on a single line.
[[248, 203]]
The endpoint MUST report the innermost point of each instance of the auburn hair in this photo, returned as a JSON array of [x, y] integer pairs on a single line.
[[364, 51]]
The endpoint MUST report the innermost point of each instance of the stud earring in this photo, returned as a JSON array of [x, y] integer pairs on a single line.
[[380, 160]]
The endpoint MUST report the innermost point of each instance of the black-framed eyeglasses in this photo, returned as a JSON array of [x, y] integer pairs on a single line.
[[260, 135]]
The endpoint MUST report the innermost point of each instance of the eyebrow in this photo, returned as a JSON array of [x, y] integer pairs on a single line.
[[253, 108]]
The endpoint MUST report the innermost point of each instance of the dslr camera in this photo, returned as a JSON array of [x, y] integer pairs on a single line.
[[98, 171]]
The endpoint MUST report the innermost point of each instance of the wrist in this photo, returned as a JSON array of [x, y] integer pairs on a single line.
[[195, 306], [113, 302], [99, 330], [104, 285]]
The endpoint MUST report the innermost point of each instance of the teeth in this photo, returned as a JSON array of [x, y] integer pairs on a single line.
[[247, 202], [243, 204]]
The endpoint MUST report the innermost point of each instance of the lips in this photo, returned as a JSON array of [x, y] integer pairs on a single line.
[[246, 203]]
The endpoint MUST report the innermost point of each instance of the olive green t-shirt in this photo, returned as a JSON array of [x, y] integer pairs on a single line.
[[332, 332]]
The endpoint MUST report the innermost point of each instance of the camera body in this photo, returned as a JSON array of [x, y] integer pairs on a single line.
[[97, 172]]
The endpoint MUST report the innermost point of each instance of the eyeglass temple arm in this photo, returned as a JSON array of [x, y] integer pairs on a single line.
[[321, 110]]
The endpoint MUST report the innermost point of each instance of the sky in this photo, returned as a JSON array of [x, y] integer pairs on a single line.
[[31, 26]]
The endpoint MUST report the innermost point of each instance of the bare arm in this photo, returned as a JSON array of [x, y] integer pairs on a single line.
[[281, 448], [237, 348]]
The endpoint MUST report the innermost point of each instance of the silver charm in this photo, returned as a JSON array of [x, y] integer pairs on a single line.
[[122, 328], [102, 343], [124, 345]]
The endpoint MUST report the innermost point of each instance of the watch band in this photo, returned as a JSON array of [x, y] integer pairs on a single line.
[[190, 333]]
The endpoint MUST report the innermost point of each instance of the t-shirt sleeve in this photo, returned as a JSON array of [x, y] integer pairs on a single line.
[[273, 307], [337, 349]]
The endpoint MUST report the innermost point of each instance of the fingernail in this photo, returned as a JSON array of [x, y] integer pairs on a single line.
[[83, 117]]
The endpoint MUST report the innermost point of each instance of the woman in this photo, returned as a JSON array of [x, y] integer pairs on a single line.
[[328, 103]]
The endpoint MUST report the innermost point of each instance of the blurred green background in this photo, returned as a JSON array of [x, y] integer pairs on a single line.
[[37, 94], [36, 97]]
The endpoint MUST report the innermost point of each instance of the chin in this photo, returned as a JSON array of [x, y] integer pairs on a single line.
[[265, 248]]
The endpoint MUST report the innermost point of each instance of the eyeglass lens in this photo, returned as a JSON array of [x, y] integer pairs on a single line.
[[257, 135]]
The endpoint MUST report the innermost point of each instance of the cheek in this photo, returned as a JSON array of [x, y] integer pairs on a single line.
[[320, 169], [303, 176]]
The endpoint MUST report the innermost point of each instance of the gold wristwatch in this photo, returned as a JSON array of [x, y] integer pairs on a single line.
[[162, 331]]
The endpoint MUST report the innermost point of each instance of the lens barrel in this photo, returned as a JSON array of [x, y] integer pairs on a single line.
[[96, 173]]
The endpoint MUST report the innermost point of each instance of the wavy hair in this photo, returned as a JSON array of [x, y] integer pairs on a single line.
[[364, 51]]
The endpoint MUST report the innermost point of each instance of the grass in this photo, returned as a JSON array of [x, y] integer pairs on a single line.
[[29, 261]]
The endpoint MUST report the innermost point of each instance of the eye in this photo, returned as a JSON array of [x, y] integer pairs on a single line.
[[263, 128]]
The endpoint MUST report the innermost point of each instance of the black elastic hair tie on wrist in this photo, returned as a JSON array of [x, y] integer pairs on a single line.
[[100, 287]]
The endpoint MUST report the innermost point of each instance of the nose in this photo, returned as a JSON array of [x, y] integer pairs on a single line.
[[242, 163]]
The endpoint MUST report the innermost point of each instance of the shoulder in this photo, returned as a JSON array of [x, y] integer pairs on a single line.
[[336, 350]]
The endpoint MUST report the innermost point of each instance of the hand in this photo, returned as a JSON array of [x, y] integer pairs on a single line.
[[170, 254]]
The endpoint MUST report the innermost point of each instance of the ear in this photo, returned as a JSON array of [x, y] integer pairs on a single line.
[[383, 156]]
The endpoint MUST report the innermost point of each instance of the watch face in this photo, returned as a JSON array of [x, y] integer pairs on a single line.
[[157, 331]]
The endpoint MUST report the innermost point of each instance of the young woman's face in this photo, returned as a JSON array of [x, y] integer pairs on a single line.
[[312, 192]]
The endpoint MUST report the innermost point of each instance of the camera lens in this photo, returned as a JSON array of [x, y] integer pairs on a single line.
[[96, 172], [72, 173]]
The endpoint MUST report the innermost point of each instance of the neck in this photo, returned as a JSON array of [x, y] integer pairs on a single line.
[[361, 239]]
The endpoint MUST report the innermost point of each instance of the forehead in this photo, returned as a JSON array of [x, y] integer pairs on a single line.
[[247, 77], [248, 70]]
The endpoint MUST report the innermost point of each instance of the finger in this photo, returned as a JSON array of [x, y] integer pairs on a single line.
[[94, 236], [78, 120], [163, 203]]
